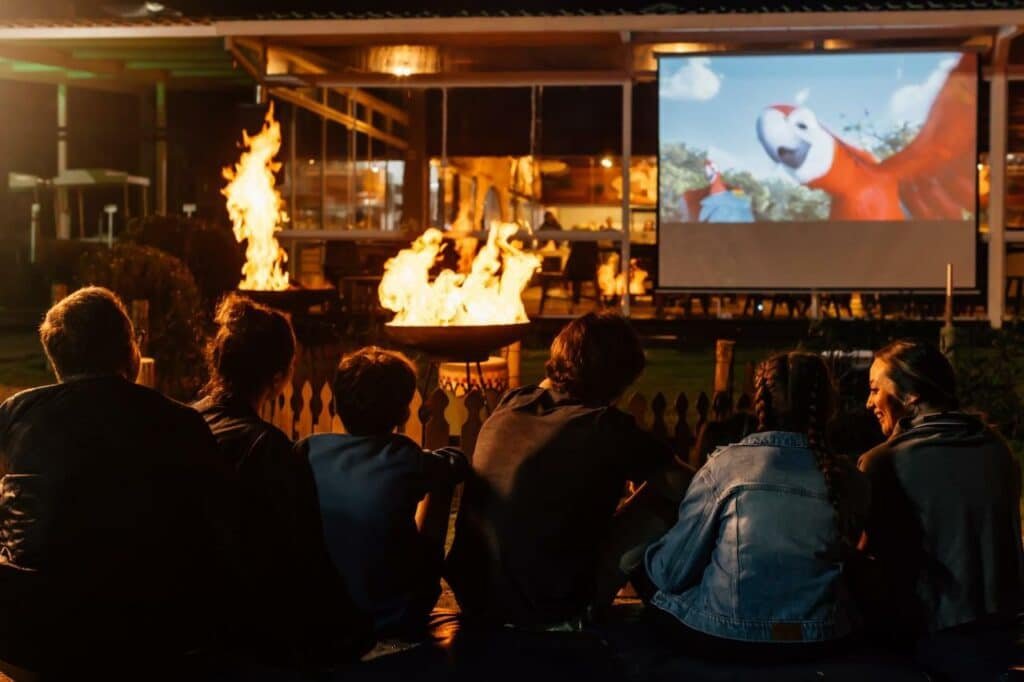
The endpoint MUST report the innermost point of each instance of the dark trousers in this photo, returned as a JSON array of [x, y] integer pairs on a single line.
[[643, 518]]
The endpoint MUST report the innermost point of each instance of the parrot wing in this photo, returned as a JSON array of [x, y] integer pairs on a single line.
[[692, 199], [935, 171]]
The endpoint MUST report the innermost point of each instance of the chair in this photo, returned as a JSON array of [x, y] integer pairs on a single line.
[[550, 275]]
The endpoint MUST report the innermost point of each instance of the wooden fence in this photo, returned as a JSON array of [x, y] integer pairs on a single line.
[[446, 418]]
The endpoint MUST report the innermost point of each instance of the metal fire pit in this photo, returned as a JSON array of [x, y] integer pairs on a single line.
[[294, 300], [461, 343]]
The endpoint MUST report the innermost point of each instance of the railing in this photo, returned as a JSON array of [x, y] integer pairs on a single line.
[[446, 418]]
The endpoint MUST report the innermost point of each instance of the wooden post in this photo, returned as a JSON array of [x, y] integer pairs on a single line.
[[147, 373], [514, 361], [58, 292], [140, 321], [61, 203], [627, 159], [161, 148], [947, 337], [724, 356]]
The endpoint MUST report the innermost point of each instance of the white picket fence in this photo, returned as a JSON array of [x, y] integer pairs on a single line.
[[446, 417]]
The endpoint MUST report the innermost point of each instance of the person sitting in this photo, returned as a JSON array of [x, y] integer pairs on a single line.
[[117, 538], [754, 566], [944, 526], [370, 481], [538, 543], [250, 358]]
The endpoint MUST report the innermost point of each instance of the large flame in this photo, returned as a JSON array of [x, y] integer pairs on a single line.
[[490, 293], [255, 208]]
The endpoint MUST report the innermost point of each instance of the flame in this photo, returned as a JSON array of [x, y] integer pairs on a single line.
[[490, 293], [613, 283], [255, 208]]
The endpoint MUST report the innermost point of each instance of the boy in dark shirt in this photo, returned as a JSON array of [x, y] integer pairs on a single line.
[[539, 541], [369, 482]]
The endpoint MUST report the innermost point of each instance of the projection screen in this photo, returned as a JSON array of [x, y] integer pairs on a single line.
[[817, 171]]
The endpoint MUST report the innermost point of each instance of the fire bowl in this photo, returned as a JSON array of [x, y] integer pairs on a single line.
[[293, 300], [465, 343]]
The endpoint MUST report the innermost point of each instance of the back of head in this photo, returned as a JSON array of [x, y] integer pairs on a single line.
[[372, 391], [794, 392], [252, 350], [595, 358], [920, 369], [90, 333]]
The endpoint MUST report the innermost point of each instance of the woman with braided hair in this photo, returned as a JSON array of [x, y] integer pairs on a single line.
[[754, 566], [944, 527]]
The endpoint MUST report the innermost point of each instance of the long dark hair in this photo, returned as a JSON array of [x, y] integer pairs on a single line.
[[919, 368], [253, 347], [794, 392]]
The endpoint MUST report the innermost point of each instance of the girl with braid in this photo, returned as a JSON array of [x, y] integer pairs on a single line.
[[754, 567]]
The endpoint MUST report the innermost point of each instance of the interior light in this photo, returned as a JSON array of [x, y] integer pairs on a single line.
[[606, 162]]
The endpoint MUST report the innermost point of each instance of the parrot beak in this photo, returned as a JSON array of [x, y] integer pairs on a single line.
[[779, 140]]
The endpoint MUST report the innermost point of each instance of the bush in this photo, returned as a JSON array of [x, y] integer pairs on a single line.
[[990, 377], [176, 314], [210, 252]]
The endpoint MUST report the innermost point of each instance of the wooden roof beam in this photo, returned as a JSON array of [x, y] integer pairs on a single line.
[[57, 58], [331, 114], [318, 64], [464, 79]]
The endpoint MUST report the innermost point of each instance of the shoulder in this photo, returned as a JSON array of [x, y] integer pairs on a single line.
[[22, 399], [271, 437], [855, 482], [876, 459], [519, 396]]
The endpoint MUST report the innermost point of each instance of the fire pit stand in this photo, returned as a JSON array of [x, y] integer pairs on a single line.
[[465, 344]]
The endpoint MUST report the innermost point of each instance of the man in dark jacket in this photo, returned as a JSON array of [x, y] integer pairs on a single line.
[[116, 544]]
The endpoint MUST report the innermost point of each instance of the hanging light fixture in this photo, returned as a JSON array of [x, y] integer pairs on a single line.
[[404, 60]]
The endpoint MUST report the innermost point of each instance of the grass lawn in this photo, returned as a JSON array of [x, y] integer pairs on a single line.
[[668, 370], [22, 363]]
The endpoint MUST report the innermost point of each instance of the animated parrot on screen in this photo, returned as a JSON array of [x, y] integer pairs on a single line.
[[926, 180], [717, 202]]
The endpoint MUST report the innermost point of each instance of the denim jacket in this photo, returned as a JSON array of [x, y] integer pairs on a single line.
[[754, 554]]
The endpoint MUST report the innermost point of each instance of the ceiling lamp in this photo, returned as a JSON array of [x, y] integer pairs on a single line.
[[404, 60]]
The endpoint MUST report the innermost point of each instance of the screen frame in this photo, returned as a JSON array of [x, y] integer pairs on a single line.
[[971, 288]]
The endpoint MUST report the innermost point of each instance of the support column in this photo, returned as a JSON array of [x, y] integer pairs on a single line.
[[63, 207], [161, 148], [627, 158], [997, 177], [416, 177]]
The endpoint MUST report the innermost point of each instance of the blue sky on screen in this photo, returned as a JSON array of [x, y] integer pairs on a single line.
[[712, 102]]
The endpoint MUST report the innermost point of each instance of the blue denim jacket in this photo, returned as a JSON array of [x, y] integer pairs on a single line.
[[753, 555]]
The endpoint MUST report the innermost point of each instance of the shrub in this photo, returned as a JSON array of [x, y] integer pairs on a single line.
[[209, 251], [990, 377], [176, 313]]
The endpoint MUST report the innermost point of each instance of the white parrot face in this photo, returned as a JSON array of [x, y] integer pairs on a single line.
[[793, 137]]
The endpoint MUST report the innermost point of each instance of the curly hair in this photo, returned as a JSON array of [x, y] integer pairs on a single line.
[[595, 358], [253, 348], [794, 392]]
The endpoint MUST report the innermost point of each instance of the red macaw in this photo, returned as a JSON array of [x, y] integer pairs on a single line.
[[929, 179], [693, 197]]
